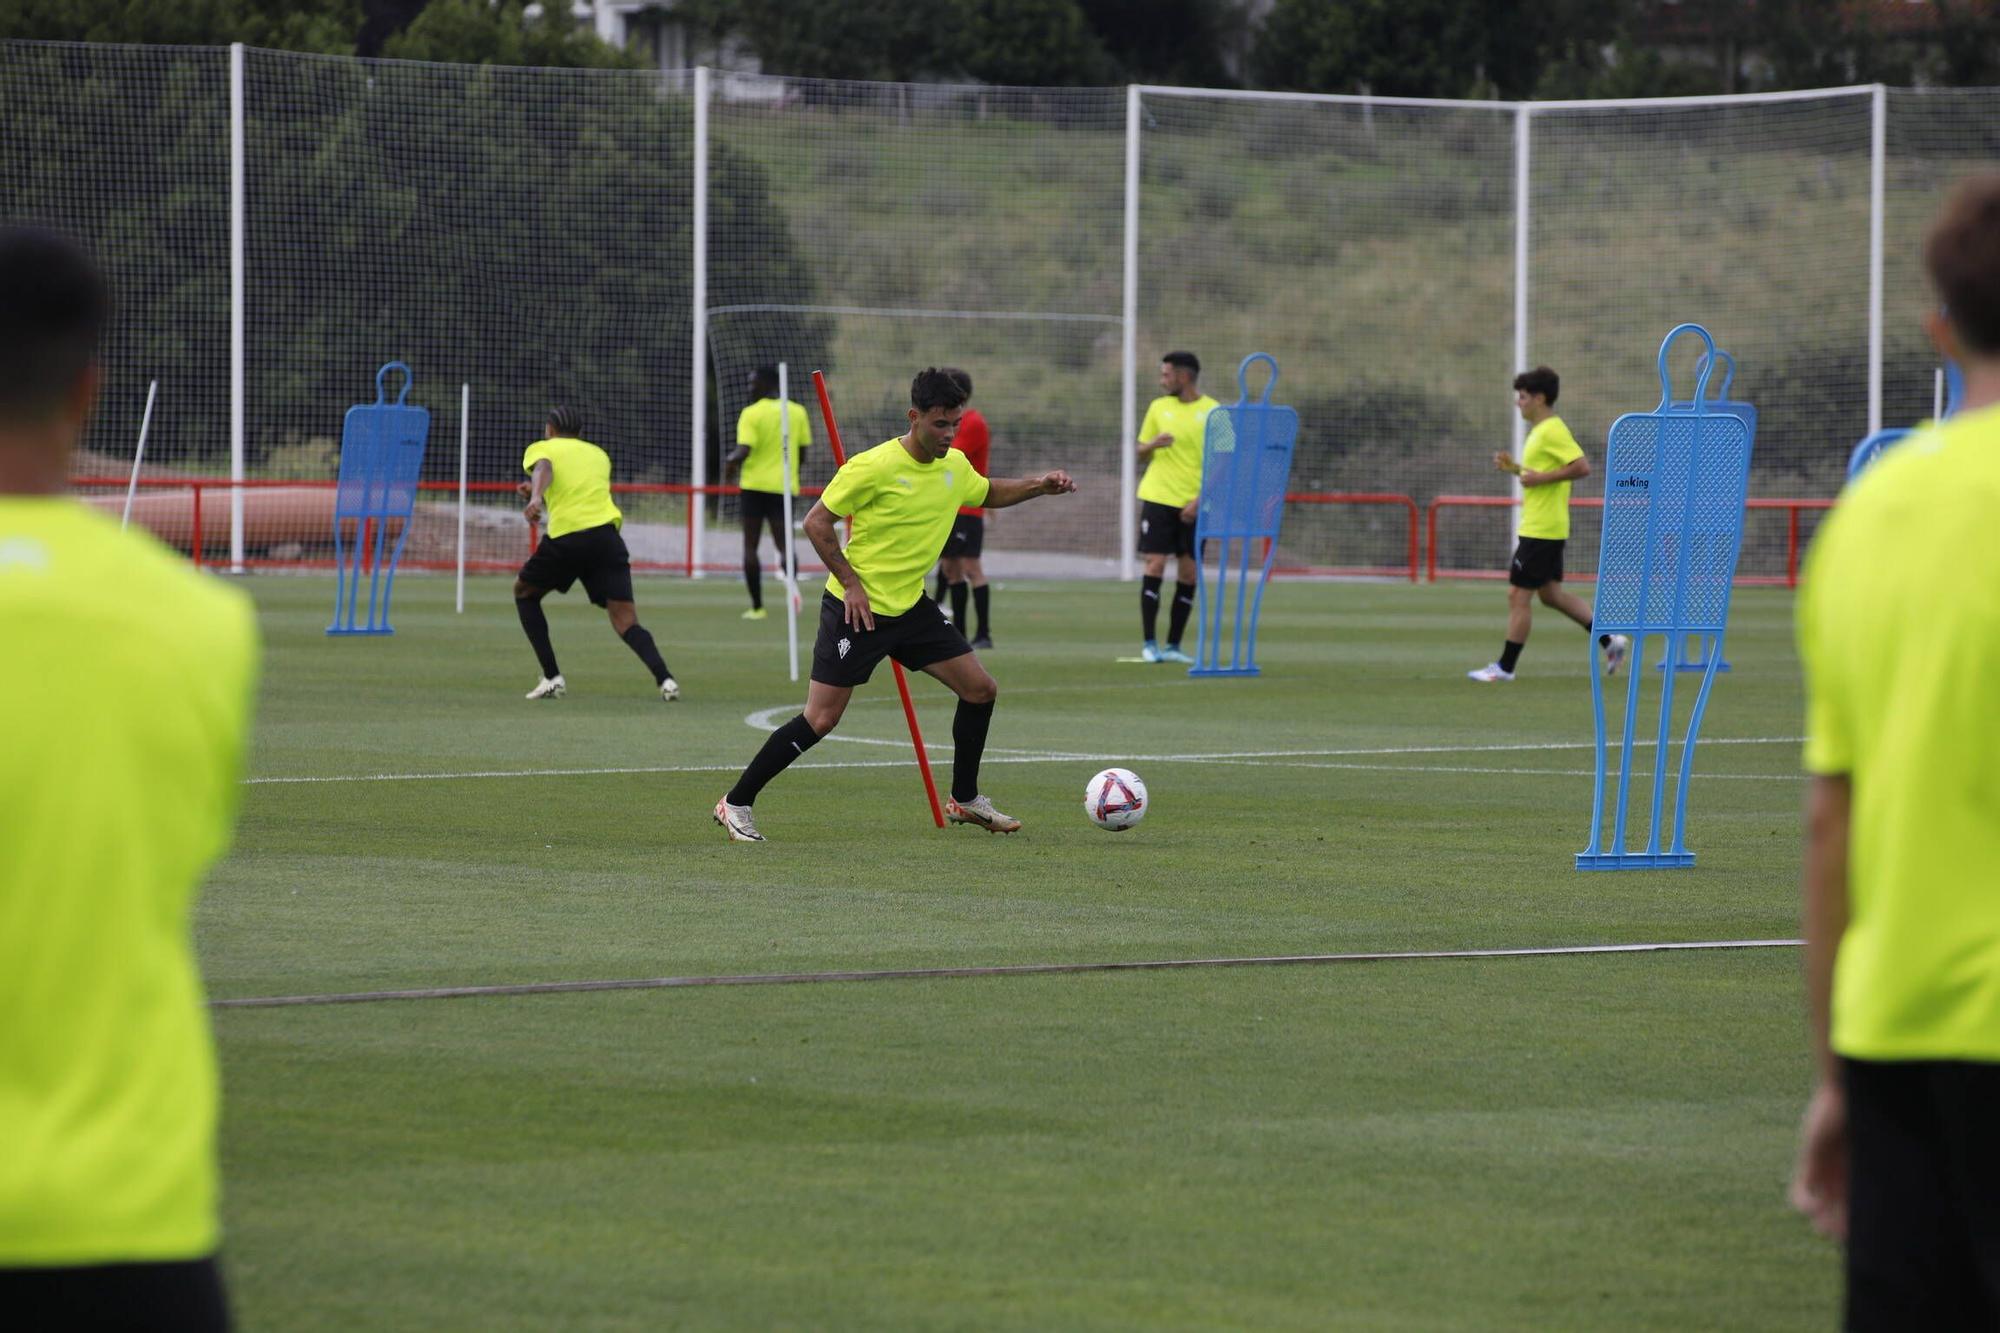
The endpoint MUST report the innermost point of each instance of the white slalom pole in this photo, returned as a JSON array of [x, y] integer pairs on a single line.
[[146, 421], [464, 437], [786, 558]]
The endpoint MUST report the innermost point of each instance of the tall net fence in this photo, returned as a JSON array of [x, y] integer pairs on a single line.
[[1749, 218], [532, 234], [1370, 250], [935, 225], [127, 149]]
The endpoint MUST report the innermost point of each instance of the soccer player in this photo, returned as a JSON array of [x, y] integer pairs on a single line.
[[759, 449], [902, 496], [570, 479], [1171, 440], [134, 676], [961, 567], [1550, 460], [1899, 634]]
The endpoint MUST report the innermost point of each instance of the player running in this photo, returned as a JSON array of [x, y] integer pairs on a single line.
[[1550, 460], [570, 481], [902, 496], [1171, 439], [760, 432]]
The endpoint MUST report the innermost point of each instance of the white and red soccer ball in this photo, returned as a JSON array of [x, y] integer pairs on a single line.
[[1115, 799]]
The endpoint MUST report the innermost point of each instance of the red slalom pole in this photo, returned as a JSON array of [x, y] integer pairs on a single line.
[[902, 681]]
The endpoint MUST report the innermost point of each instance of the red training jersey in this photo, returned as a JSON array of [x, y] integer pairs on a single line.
[[973, 441]]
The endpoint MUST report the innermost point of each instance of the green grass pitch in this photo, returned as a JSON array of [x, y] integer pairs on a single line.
[[1536, 1143]]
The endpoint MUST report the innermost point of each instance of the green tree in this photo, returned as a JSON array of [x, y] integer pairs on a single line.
[[1170, 41], [892, 40], [1397, 48], [1031, 42], [1968, 45], [292, 25], [481, 32]]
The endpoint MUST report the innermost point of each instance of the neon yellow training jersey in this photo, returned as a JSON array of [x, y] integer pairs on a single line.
[[1545, 509], [1173, 474], [579, 493], [903, 511], [135, 676], [758, 430], [1899, 633]]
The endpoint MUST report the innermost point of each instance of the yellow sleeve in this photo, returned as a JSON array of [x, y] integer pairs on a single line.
[[1561, 446], [1151, 425], [746, 429], [537, 452], [848, 490], [977, 489], [1829, 743]]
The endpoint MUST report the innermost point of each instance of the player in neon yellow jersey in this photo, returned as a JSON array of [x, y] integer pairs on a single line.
[[1899, 633], [121, 779], [903, 496], [759, 449], [1551, 459], [1171, 440], [570, 485]]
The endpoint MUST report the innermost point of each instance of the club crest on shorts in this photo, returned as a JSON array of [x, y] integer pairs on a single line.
[[843, 646]]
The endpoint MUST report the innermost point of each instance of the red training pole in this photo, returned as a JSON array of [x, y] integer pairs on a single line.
[[902, 681]]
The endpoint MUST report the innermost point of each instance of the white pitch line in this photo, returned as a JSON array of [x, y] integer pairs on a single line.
[[1022, 757], [1014, 970], [1514, 772]]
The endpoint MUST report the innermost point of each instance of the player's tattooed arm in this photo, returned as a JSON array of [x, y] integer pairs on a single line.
[[825, 538], [1007, 491]]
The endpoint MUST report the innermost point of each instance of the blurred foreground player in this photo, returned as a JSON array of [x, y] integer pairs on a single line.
[[1899, 633], [569, 483], [134, 676], [902, 496]]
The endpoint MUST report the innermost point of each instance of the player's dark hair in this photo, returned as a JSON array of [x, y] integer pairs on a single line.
[[53, 307], [962, 378], [1540, 380], [933, 389], [565, 421], [1187, 361], [1962, 254], [764, 381]]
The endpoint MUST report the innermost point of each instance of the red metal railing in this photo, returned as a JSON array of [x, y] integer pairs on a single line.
[[199, 539], [1359, 498], [1793, 508]]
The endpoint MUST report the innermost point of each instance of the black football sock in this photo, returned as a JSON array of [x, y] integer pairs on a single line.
[[943, 584], [753, 576], [1149, 604], [537, 626], [958, 604], [1178, 618], [640, 640], [780, 749], [968, 740], [1510, 654], [980, 601]]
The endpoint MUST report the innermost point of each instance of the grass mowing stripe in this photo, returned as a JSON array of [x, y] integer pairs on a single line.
[[1015, 970]]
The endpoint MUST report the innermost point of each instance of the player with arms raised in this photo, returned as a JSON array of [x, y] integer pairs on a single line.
[[902, 496]]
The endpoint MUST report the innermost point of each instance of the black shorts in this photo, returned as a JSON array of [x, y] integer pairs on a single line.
[[1923, 1241], [1161, 531], [595, 555], [184, 1297], [1537, 560], [761, 507], [968, 537], [917, 638]]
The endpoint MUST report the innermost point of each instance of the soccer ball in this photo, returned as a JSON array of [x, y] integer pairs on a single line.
[[1115, 799]]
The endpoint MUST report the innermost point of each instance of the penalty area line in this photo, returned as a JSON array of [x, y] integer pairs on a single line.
[[1011, 970]]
